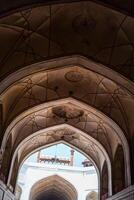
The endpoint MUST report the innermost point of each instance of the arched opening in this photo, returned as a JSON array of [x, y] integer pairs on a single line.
[[75, 74], [72, 137], [61, 108], [77, 170], [53, 187]]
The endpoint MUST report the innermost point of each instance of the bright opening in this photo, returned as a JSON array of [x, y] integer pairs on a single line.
[[58, 172]]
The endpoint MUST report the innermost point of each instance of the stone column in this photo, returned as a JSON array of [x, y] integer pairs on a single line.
[[71, 157], [38, 156]]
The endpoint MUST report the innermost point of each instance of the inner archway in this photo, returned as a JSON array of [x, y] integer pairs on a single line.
[[53, 187], [67, 135]]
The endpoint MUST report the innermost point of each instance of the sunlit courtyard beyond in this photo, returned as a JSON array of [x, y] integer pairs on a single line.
[[57, 172]]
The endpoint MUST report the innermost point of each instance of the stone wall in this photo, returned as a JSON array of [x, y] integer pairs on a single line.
[[5, 194], [126, 194]]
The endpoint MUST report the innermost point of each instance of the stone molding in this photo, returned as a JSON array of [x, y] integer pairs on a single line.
[[126, 194], [5, 193]]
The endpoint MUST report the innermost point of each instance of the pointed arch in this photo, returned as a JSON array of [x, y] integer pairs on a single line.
[[95, 124], [65, 134], [55, 185]]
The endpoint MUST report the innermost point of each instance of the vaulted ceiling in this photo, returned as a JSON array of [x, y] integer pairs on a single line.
[[37, 39], [126, 6], [87, 28]]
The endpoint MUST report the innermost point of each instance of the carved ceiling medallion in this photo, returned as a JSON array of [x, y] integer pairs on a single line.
[[67, 112]]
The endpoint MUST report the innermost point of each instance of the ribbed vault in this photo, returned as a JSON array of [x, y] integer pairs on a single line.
[[42, 32], [53, 187], [38, 96], [71, 102], [83, 84]]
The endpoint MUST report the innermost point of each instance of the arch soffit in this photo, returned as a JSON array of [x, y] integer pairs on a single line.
[[116, 129], [81, 142], [62, 62], [126, 81], [69, 111], [85, 74], [68, 134]]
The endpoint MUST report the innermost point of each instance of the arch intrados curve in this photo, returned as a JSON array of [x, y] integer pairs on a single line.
[[61, 62], [76, 103], [78, 149], [63, 127], [56, 143], [116, 89]]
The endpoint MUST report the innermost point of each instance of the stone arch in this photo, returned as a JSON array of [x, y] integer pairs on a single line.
[[85, 144], [118, 91], [56, 184], [88, 39], [122, 90], [109, 94], [102, 126]]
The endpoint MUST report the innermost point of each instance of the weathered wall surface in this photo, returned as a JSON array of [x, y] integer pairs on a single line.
[[127, 194], [5, 194]]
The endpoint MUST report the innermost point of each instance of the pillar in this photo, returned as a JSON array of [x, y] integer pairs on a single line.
[[38, 156], [71, 157]]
